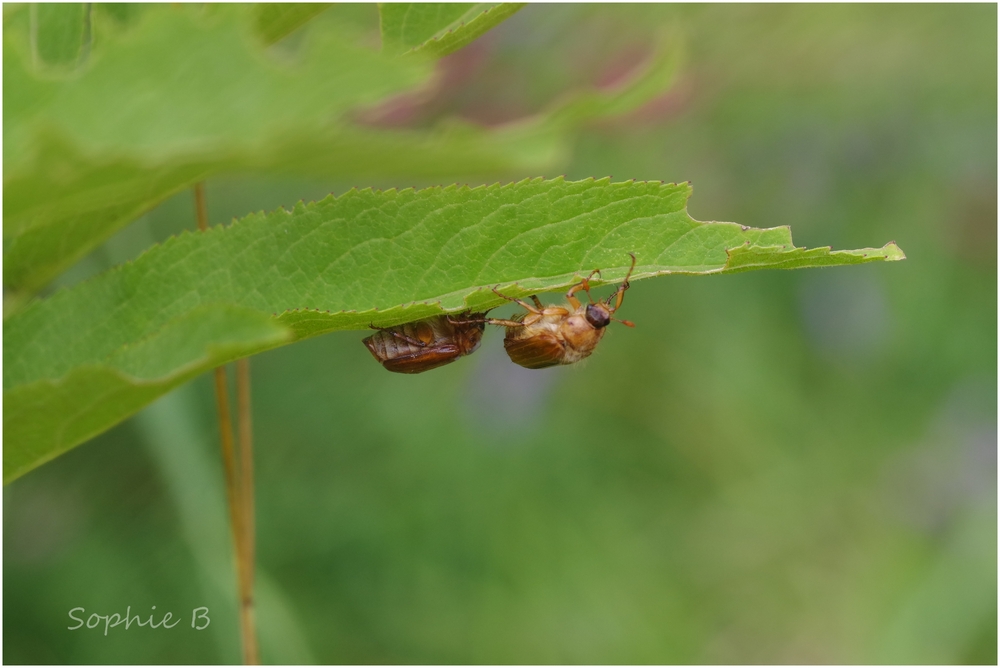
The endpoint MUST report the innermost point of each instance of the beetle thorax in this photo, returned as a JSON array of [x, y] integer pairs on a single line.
[[579, 334], [469, 338]]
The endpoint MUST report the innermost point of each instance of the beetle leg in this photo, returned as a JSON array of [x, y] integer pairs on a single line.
[[620, 293], [492, 321], [505, 323], [582, 285], [525, 304], [401, 336], [461, 318], [618, 296], [538, 302]]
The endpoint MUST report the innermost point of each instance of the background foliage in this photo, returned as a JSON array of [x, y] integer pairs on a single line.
[[784, 466]]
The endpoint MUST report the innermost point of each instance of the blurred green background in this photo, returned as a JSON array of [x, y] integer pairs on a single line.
[[771, 467]]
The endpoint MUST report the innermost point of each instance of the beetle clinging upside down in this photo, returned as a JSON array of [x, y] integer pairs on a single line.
[[551, 335], [414, 347]]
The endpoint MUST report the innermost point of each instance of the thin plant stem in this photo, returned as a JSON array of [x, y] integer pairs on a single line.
[[239, 476], [246, 492], [200, 209], [228, 453]]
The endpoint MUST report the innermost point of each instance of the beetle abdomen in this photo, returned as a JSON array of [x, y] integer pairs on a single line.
[[426, 344], [536, 352], [424, 360], [384, 346]]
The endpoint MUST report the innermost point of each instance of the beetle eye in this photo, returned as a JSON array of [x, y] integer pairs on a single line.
[[597, 316]]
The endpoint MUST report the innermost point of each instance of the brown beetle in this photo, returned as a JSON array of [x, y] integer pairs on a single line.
[[415, 347], [551, 335]]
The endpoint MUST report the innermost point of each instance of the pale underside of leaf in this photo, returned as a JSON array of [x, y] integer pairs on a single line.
[[366, 257], [749, 257]]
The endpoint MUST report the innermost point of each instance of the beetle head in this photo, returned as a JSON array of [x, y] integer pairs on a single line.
[[598, 315]]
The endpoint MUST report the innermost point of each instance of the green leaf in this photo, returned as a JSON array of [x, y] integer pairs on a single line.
[[106, 197], [274, 20], [60, 32], [344, 263], [66, 192], [786, 256], [92, 398], [437, 29], [176, 98], [221, 90]]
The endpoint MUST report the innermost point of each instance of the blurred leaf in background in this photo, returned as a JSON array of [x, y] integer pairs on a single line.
[[438, 28], [772, 467]]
